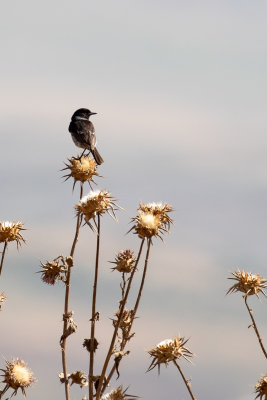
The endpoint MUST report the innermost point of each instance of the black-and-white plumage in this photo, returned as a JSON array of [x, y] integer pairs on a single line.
[[83, 132]]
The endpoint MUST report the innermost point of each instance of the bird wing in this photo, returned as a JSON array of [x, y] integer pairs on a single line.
[[83, 131]]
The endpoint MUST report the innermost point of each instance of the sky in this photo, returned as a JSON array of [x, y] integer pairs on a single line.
[[179, 88]]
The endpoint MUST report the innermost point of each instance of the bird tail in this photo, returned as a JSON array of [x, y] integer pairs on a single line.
[[98, 159]]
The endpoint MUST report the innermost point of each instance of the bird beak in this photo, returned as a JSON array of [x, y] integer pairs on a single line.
[[92, 113]]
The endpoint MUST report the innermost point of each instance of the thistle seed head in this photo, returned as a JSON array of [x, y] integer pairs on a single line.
[[53, 271], [126, 320], [247, 283], [10, 231], [261, 388], [161, 209], [124, 261], [118, 394], [17, 376], [81, 169], [96, 203], [152, 220], [169, 350]]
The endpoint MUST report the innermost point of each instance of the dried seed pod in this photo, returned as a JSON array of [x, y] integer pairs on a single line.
[[152, 220], [261, 388], [118, 394], [55, 270], [81, 169], [247, 283], [17, 376], [10, 231], [96, 203], [169, 350], [124, 261]]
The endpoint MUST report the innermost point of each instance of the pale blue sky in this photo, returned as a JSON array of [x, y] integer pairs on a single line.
[[180, 92]]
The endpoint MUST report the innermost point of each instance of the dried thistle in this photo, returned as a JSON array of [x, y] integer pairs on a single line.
[[158, 209], [55, 270], [2, 299], [10, 231], [126, 320], [247, 283], [147, 225], [152, 220], [17, 376], [78, 378], [261, 388], [124, 261], [87, 344], [81, 169], [96, 203], [169, 350], [118, 394]]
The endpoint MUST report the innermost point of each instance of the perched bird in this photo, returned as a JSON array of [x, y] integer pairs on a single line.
[[83, 132]]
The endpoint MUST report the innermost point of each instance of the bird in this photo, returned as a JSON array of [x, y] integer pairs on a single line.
[[83, 132]]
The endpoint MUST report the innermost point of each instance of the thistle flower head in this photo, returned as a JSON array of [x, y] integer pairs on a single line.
[[161, 209], [124, 261], [247, 283], [118, 394], [78, 378], [261, 388], [126, 320], [81, 169], [17, 376], [152, 220], [169, 350], [10, 231], [55, 270], [2, 299], [96, 203]]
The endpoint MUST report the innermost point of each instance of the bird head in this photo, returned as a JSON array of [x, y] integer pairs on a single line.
[[82, 113]]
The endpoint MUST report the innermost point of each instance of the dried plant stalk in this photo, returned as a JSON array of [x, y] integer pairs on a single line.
[[66, 305], [186, 381], [250, 284], [142, 282], [94, 314], [2, 257], [10, 232], [255, 326], [122, 307], [124, 341]]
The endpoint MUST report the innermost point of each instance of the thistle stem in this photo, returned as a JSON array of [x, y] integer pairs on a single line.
[[255, 326], [77, 227], [142, 282], [3, 256], [185, 380], [100, 390], [123, 344], [66, 305], [93, 318]]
